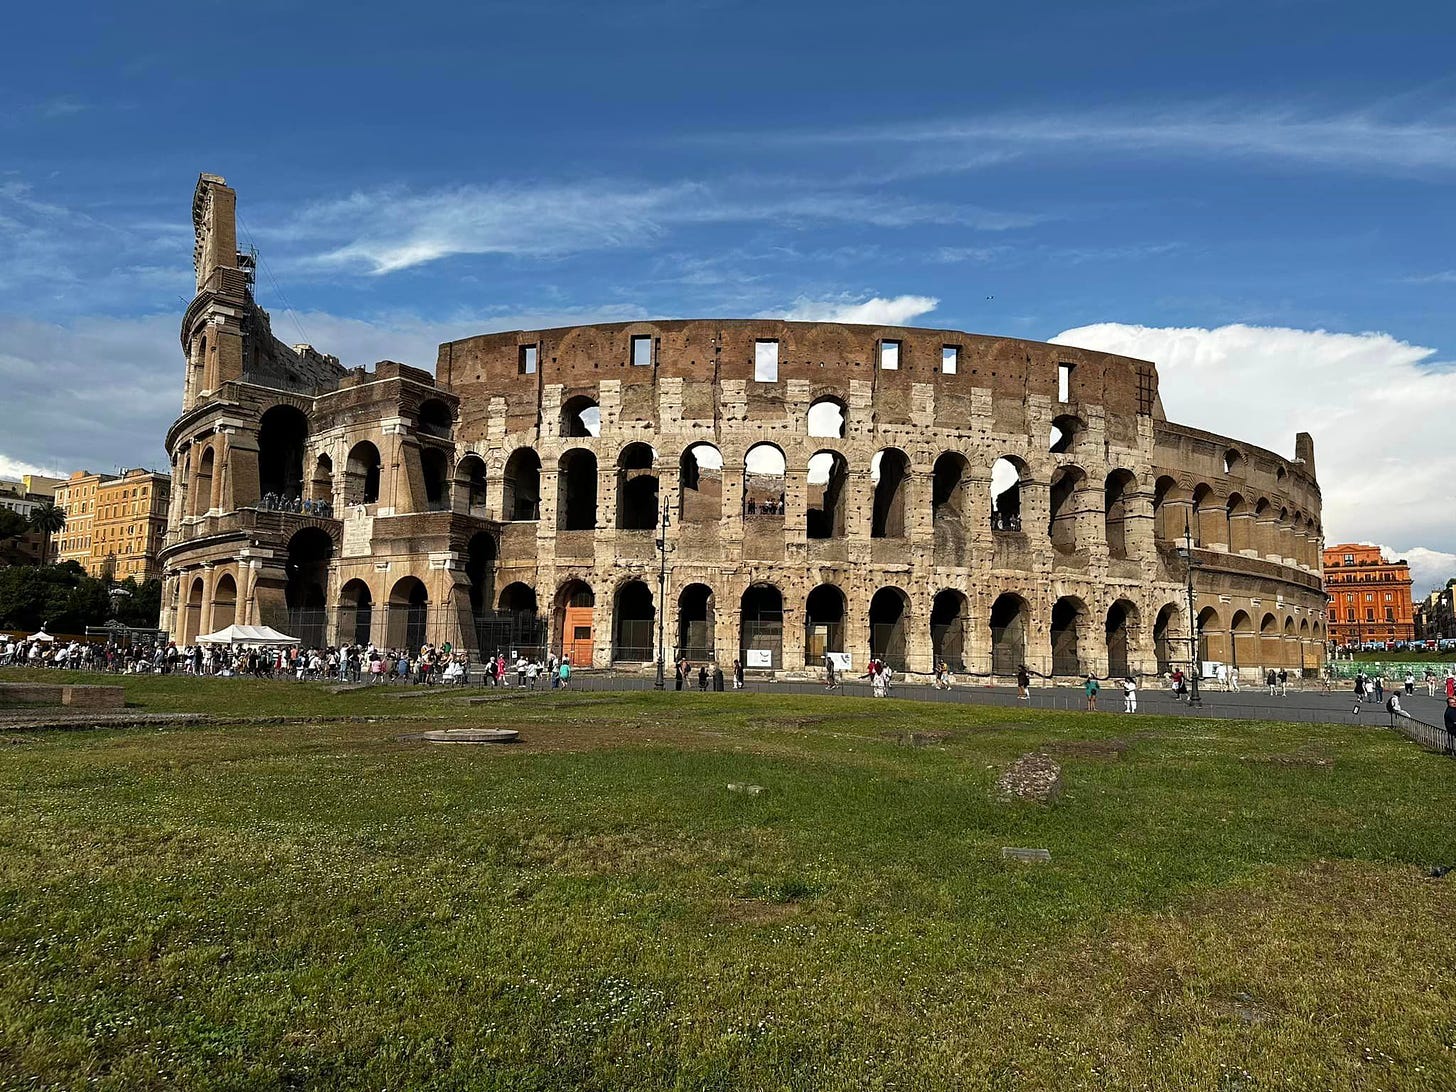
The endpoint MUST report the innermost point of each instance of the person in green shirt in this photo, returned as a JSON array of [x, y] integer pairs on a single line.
[[1091, 687]]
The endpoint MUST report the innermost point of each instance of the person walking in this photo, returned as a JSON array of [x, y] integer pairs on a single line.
[[1410, 684], [1271, 680], [1023, 683], [1129, 695], [1450, 686], [1091, 687], [703, 679], [1379, 688], [737, 675], [1283, 683]]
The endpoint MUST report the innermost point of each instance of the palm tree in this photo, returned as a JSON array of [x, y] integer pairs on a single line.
[[47, 518]]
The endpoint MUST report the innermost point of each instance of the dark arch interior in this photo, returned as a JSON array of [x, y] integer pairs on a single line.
[[888, 517], [523, 485], [695, 623], [282, 435], [1008, 634], [825, 514], [948, 629], [435, 418], [361, 474], [356, 612], [1066, 649], [637, 489], [480, 558], [887, 627], [1115, 498], [580, 417], [436, 468], [309, 553], [823, 624], [1119, 640], [471, 476], [576, 490], [633, 623], [761, 627]]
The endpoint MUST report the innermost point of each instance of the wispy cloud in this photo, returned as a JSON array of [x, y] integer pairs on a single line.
[[1446, 276], [1363, 140], [876, 311], [387, 230]]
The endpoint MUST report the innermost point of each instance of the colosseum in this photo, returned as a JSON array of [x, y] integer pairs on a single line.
[[786, 489]]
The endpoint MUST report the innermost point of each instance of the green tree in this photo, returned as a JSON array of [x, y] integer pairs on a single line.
[[12, 526], [48, 518], [61, 597], [142, 605]]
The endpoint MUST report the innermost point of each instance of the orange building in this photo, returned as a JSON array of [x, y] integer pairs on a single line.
[[114, 526], [1370, 598]]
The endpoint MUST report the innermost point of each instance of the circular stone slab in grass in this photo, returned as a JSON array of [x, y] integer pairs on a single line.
[[472, 735]]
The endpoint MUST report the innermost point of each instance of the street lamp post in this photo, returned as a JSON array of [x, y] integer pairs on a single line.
[[1187, 552], [661, 683]]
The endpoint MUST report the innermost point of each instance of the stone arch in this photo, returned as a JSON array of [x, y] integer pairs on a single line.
[[1117, 494], [889, 626], [575, 622], [1121, 637], [1240, 523], [828, 486], [634, 618], [1166, 627], [827, 418], [1233, 461], [638, 507], [949, 502], [700, 484], [1198, 514], [471, 484], [321, 481], [282, 438], [310, 553], [1165, 491], [356, 613], [824, 614], [580, 417], [1009, 622], [224, 602], [1067, 430], [201, 499], [576, 490], [435, 418], [761, 626], [361, 474], [1068, 626], [696, 621], [1212, 640], [949, 613], [890, 475], [522, 495], [1289, 648], [435, 468], [1241, 628], [764, 468], [481, 554], [1009, 475], [192, 611], [1269, 641], [409, 614], [1067, 482]]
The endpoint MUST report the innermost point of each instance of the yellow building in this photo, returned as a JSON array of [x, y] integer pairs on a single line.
[[115, 526]]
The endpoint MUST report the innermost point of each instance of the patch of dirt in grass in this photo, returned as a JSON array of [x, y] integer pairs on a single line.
[[757, 911], [1111, 750], [1313, 754], [1036, 777]]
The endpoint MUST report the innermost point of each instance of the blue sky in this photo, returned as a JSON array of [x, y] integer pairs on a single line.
[[1257, 196]]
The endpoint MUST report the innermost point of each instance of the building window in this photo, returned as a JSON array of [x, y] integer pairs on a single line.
[[889, 356], [1369, 614], [950, 359], [1369, 598], [1349, 559], [1064, 382], [766, 360], [641, 351], [528, 359]]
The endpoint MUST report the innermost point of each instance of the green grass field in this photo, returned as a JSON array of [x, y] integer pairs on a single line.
[[323, 904]]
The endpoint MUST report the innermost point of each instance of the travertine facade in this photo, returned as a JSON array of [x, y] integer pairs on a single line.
[[828, 488]]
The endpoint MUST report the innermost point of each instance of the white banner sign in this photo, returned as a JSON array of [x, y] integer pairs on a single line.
[[759, 657]]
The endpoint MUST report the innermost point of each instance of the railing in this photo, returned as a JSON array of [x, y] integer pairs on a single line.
[[1432, 737]]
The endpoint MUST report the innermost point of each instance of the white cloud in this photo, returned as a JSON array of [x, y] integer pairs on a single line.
[[1430, 569], [15, 468], [1376, 406], [877, 311]]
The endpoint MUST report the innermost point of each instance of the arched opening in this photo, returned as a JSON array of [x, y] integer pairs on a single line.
[[1008, 634], [1210, 519], [887, 627], [1233, 462], [1269, 641], [361, 474], [1164, 635], [202, 483], [580, 416], [948, 505], [632, 623], [637, 497], [1304, 640], [480, 560], [828, 484], [224, 602], [889, 471], [823, 624], [522, 500], [515, 627], [1062, 521], [470, 483], [409, 614], [1116, 500], [1066, 430], [1289, 651], [1241, 647], [1211, 637], [321, 486], [1164, 514], [761, 627], [309, 553], [1006, 478], [695, 623], [576, 491], [192, 618], [763, 481], [1069, 614], [948, 615], [827, 418], [282, 435], [435, 466], [436, 418], [700, 485], [1241, 524], [575, 622], [1122, 619], [1264, 530], [356, 613]]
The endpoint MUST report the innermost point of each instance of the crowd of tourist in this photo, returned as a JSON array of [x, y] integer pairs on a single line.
[[278, 502]]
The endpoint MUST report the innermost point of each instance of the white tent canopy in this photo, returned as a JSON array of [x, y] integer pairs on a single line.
[[42, 636], [247, 635]]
